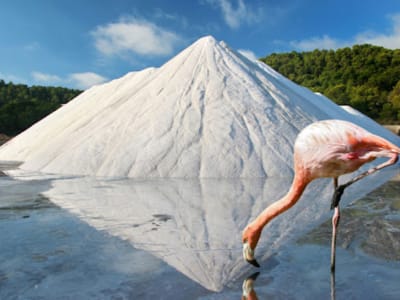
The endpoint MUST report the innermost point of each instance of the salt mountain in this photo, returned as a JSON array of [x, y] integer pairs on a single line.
[[208, 112]]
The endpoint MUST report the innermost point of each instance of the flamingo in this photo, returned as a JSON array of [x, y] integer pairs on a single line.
[[328, 148]]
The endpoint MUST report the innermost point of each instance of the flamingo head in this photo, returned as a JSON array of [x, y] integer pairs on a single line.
[[250, 239]]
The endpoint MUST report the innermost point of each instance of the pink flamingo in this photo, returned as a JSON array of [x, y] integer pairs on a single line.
[[323, 149]]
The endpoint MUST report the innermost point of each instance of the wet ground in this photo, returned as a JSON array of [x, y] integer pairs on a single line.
[[54, 249]]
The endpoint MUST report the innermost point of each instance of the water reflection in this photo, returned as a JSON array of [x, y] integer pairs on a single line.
[[195, 225], [248, 287]]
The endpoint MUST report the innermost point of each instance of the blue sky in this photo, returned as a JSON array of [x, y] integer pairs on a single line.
[[78, 43]]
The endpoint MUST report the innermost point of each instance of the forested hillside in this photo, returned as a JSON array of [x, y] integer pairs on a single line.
[[366, 77], [21, 106]]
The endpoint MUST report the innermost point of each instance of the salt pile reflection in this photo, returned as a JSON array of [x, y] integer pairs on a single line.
[[195, 225]]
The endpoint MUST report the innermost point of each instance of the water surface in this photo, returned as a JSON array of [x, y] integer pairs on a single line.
[[87, 238]]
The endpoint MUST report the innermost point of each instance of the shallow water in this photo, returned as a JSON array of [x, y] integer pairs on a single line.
[[85, 238]]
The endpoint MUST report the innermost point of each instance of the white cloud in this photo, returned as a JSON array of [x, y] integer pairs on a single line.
[[133, 35], [325, 42], [76, 80], [390, 40], [234, 17], [248, 53], [86, 80], [46, 78]]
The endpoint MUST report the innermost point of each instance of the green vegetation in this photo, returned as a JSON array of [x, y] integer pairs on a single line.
[[21, 106], [366, 77]]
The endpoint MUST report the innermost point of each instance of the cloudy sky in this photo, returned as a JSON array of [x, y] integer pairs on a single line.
[[79, 43]]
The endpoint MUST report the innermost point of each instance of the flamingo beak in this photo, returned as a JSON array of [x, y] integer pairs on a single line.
[[248, 255]]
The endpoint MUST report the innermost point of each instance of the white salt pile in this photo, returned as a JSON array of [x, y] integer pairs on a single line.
[[208, 112]]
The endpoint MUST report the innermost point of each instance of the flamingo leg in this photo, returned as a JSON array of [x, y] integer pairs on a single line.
[[335, 222], [335, 205]]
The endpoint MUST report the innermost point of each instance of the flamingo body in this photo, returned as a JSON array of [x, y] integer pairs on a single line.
[[332, 148], [328, 148]]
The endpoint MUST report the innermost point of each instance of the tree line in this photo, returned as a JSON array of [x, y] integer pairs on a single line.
[[366, 77], [21, 105]]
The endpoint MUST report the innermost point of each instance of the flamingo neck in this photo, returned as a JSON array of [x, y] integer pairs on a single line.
[[280, 206]]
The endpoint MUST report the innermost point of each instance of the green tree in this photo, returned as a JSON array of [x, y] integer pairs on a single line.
[[21, 106], [394, 101], [362, 76]]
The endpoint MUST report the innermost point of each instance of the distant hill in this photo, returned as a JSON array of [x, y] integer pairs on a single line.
[[366, 77], [21, 105]]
